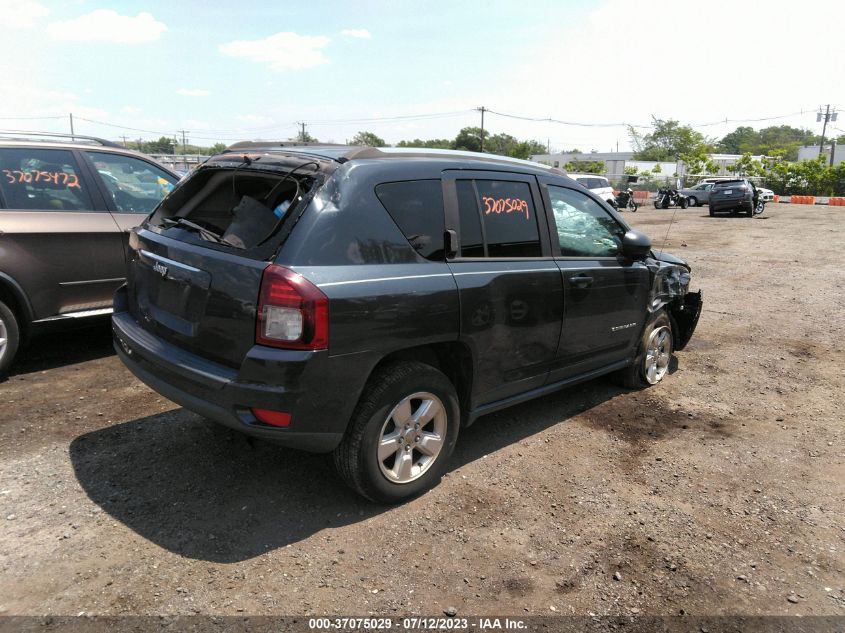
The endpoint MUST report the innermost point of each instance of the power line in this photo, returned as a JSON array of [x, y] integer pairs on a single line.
[[406, 117], [30, 118], [560, 122]]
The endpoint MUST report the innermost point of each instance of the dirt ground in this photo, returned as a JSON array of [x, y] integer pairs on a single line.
[[720, 491]]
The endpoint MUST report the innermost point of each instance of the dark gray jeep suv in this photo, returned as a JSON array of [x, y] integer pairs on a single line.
[[369, 302]]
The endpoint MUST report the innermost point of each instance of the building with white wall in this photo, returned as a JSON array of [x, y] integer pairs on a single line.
[[811, 152]]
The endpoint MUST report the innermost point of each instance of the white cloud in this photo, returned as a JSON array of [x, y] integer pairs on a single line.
[[192, 92], [105, 25], [19, 14], [363, 34], [282, 51], [131, 110]]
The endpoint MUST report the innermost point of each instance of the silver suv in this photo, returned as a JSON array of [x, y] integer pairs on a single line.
[[66, 208]]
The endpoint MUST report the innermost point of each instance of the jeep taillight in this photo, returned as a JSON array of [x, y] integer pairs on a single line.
[[292, 312]]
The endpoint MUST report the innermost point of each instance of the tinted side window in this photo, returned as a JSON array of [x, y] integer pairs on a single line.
[[510, 221], [472, 243], [43, 180], [584, 229], [417, 208], [135, 185]]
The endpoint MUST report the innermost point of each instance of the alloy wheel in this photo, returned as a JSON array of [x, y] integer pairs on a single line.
[[412, 437], [658, 354]]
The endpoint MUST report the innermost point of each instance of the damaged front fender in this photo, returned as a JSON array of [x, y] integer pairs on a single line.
[[670, 289]]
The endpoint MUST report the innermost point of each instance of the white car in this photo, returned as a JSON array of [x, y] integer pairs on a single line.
[[599, 185], [766, 195]]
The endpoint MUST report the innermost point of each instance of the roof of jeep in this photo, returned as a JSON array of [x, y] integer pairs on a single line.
[[345, 153]]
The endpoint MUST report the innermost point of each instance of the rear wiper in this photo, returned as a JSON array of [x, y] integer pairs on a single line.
[[205, 233]]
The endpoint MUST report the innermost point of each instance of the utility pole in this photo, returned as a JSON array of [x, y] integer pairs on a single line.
[[832, 150], [124, 140], [183, 132], [482, 109], [302, 136], [70, 115], [827, 115]]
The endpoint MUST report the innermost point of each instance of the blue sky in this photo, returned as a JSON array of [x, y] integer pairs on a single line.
[[228, 71]]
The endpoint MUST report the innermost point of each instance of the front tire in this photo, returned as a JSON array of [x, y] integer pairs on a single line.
[[10, 337], [692, 201], [682, 202], [654, 352], [401, 434]]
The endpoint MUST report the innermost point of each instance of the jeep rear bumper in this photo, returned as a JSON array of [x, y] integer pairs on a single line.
[[220, 393]]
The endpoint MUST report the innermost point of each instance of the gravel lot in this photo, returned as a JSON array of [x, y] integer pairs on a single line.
[[720, 491]]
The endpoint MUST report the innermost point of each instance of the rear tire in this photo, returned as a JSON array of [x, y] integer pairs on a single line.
[[401, 434], [682, 202], [654, 352], [10, 337], [712, 212]]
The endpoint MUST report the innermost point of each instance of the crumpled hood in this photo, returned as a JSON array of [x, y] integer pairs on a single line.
[[669, 259]]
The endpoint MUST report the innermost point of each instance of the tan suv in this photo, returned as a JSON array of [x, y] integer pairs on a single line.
[[66, 207]]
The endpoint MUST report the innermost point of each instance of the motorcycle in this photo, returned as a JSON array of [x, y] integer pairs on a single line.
[[667, 197], [625, 200]]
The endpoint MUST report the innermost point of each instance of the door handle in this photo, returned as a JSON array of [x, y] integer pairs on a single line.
[[581, 281]]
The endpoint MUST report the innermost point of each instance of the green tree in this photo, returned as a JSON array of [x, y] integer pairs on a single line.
[[836, 179], [698, 162], [368, 139], [747, 166], [164, 145], [435, 143], [631, 171], [305, 137], [469, 139], [217, 148], [778, 172], [742, 139], [785, 138], [812, 176], [585, 166], [667, 141], [507, 145]]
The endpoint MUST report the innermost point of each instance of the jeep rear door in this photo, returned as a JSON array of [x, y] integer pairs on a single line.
[[57, 240], [605, 294], [509, 287]]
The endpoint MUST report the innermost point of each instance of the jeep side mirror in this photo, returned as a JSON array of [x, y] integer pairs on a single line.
[[636, 245]]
